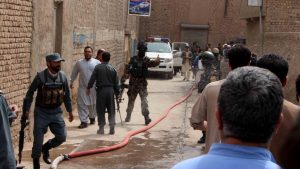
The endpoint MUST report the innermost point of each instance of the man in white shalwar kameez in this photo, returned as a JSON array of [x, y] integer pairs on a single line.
[[86, 105]]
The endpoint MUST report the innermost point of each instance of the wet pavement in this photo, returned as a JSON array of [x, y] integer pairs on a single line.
[[170, 141]]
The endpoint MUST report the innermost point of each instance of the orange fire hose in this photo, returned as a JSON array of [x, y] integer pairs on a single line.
[[125, 141]]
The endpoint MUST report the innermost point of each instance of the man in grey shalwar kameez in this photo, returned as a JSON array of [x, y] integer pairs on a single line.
[[7, 155], [86, 105]]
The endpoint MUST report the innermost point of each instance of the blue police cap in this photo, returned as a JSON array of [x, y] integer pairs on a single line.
[[55, 57]]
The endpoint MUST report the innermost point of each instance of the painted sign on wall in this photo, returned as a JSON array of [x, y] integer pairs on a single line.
[[139, 7], [82, 36]]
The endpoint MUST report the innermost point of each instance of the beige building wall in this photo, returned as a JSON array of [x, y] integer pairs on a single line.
[[98, 23], [67, 26], [31, 29]]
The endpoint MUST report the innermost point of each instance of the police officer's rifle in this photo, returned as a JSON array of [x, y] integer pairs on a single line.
[[24, 123], [120, 98]]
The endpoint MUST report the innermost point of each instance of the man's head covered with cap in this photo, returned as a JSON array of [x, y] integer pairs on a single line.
[[54, 62]]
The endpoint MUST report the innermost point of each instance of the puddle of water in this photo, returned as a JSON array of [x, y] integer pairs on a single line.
[[139, 153]]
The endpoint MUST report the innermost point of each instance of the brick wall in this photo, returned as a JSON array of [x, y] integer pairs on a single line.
[[161, 20], [281, 36], [167, 16], [282, 16], [15, 46], [106, 25], [225, 27]]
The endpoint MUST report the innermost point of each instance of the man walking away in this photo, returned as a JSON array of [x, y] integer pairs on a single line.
[[249, 111], [86, 105], [107, 85], [280, 67], [203, 113]]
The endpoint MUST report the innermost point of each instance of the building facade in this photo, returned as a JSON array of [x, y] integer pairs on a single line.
[[31, 29], [280, 34], [205, 21], [16, 20]]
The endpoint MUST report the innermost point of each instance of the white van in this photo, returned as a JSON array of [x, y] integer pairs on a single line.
[[163, 50]]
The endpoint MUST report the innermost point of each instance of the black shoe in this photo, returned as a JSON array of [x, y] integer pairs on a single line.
[[202, 140], [112, 130], [128, 117], [92, 121], [36, 163], [147, 120], [45, 150], [83, 125], [100, 130]]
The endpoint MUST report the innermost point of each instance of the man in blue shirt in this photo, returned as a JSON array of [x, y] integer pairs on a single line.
[[249, 111]]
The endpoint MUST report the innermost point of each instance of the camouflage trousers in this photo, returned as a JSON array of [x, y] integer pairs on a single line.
[[133, 91], [206, 77], [218, 72]]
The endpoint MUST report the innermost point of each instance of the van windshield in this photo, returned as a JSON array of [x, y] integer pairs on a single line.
[[179, 46], [158, 47]]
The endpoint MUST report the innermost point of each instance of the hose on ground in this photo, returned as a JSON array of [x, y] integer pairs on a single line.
[[125, 141]]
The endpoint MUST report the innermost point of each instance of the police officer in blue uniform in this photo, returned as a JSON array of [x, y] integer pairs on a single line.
[[52, 90]]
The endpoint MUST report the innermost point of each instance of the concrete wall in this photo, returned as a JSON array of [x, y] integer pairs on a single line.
[[281, 35], [15, 47]]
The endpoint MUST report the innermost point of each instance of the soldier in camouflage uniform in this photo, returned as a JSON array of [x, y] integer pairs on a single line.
[[207, 61], [138, 69]]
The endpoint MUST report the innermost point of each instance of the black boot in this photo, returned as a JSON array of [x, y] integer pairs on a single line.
[[147, 120], [112, 130], [128, 117], [45, 151], [100, 130], [83, 125], [92, 121], [36, 163]]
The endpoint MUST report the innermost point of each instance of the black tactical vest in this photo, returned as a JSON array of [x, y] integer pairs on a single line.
[[138, 68], [51, 94]]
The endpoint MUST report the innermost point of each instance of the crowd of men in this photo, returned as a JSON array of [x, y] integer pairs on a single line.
[[246, 121], [245, 115]]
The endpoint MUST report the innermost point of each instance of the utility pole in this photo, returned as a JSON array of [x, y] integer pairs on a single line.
[[259, 3], [261, 29]]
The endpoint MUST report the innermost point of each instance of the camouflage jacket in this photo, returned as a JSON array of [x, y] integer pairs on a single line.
[[146, 62]]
